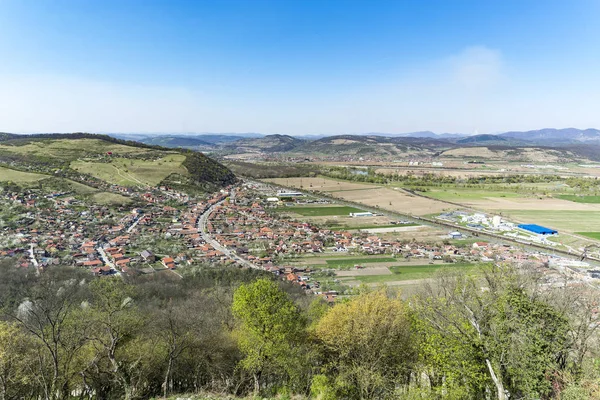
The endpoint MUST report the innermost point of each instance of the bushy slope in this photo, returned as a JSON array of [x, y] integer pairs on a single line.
[[204, 170], [50, 153]]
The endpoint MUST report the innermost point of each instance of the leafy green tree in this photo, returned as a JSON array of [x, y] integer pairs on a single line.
[[16, 351], [368, 345], [504, 337], [269, 330]]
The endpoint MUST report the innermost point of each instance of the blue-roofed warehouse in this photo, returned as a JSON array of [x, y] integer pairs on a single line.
[[540, 230]]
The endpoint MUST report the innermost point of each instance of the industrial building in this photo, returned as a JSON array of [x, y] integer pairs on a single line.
[[540, 230]]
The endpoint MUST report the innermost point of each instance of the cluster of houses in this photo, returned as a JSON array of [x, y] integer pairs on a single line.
[[108, 240], [59, 228]]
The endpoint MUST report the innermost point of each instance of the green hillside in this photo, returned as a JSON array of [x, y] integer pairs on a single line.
[[94, 159]]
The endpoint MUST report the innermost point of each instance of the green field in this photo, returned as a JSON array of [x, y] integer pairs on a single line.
[[591, 235], [47, 181], [410, 272], [462, 194], [580, 199], [569, 220], [79, 188], [350, 228], [322, 211], [358, 261], [11, 175], [133, 172]]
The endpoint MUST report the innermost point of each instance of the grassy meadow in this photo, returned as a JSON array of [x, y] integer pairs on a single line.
[[580, 199], [133, 172], [413, 272], [462, 194], [371, 226], [45, 181], [350, 262], [321, 211], [11, 175], [591, 235], [569, 220]]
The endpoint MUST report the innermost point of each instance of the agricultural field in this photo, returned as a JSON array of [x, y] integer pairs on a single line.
[[567, 220], [541, 203], [394, 200], [592, 235], [458, 173], [321, 211], [346, 262], [400, 273], [345, 222], [394, 229], [320, 184], [580, 199], [467, 194], [391, 228], [529, 155], [551, 204], [336, 261], [133, 172], [11, 175], [367, 194]]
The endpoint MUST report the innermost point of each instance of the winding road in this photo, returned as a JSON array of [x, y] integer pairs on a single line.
[[202, 222]]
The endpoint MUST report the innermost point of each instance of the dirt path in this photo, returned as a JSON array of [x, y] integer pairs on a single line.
[[128, 176]]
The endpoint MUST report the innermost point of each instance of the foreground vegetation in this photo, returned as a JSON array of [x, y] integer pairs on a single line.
[[64, 335]]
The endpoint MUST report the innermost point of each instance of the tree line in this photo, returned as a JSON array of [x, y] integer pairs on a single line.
[[435, 179], [496, 335]]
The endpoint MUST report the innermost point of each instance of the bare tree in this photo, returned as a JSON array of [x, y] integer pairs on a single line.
[[49, 315]]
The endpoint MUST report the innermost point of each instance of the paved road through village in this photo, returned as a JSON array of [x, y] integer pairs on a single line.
[[202, 222]]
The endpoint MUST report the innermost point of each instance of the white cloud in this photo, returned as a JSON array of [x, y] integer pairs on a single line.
[[477, 67]]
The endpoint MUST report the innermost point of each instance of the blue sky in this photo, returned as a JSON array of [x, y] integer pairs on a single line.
[[298, 67]]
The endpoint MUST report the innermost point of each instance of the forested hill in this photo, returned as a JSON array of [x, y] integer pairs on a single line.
[[87, 153]]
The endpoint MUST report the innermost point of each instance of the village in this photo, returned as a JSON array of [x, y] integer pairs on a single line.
[[236, 226]]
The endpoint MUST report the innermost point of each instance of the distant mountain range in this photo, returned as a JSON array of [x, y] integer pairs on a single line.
[[544, 137], [540, 137], [568, 143], [585, 142], [556, 136], [210, 138]]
